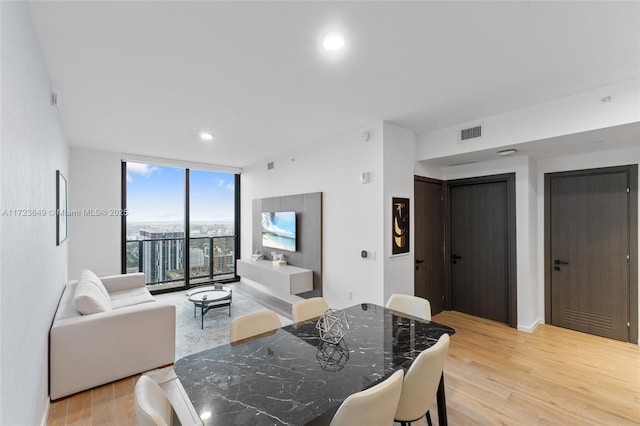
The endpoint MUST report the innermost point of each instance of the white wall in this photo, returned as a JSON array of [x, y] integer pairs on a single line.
[[353, 213], [33, 270], [532, 293], [573, 114], [1, 137], [427, 170], [398, 148], [94, 183]]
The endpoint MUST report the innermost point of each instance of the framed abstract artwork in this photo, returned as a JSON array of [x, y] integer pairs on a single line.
[[399, 226]]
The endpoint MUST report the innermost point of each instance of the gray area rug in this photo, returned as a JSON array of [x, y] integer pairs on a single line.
[[190, 338]]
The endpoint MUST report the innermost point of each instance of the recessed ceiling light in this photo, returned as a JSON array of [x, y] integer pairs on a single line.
[[606, 99], [506, 152], [206, 136], [333, 41]]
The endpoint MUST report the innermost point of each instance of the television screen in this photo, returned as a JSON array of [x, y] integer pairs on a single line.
[[279, 230]]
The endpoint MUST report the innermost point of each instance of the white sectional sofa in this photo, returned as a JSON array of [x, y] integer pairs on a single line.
[[106, 329]]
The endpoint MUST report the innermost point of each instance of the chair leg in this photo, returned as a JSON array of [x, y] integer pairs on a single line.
[[429, 419], [428, 416]]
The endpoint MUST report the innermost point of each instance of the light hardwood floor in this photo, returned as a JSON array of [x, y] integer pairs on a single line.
[[498, 375], [494, 375]]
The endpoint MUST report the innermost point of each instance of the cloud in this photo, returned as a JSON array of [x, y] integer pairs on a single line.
[[224, 184], [141, 169]]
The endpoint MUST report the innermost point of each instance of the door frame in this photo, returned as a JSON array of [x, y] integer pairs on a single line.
[[443, 285], [632, 169], [512, 278]]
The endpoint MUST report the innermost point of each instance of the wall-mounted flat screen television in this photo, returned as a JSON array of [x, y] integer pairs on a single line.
[[279, 230]]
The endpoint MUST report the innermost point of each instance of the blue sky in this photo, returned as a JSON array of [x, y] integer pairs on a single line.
[[156, 194]]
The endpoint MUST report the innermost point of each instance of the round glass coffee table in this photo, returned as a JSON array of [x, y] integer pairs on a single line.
[[209, 298]]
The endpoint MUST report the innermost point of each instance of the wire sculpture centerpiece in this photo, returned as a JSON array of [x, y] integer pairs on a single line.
[[333, 352], [333, 326]]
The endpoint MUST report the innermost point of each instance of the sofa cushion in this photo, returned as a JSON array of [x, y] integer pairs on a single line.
[[65, 307], [87, 275], [88, 299], [133, 296]]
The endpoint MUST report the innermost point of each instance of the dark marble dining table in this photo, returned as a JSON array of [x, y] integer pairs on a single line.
[[292, 377]]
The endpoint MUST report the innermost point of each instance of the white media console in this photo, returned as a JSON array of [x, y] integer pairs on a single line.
[[285, 279]]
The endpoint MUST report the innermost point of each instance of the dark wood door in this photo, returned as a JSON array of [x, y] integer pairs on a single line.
[[479, 219], [429, 280], [589, 266]]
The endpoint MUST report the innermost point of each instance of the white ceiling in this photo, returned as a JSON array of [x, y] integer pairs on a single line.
[[145, 77]]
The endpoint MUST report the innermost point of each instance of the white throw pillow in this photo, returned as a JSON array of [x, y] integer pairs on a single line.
[[87, 275], [88, 299]]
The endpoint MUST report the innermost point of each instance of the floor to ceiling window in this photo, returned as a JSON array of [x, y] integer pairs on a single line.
[[178, 217], [211, 225]]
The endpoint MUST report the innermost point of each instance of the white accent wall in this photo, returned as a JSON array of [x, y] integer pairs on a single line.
[[33, 270], [95, 182], [354, 215], [398, 149]]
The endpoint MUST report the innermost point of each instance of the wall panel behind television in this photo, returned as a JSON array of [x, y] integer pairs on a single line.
[[308, 254]]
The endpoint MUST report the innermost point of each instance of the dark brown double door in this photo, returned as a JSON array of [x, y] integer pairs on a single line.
[[465, 245], [589, 240]]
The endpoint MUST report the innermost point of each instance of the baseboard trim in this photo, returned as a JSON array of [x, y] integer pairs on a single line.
[[532, 327], [45, 416]]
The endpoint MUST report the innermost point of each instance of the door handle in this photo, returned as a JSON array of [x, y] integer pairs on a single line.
[[454, 258], [557, 264], [419, 261]]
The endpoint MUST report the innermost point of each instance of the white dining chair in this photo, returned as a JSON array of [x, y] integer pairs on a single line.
[[411, 305], [308, 308], [375, 406], [152, 406], [253, 324], [421, 383]]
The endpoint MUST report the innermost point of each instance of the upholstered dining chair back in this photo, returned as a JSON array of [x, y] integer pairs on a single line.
[[309, 308], [152, 406], [374, 406], [411, 305], [421, 383], [253, 324]]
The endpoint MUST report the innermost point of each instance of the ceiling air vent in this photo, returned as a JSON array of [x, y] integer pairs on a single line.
[[270, 165], [471, 133]]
